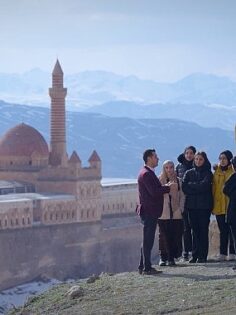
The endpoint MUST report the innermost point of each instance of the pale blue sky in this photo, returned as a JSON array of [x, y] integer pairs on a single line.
[[153, 39]]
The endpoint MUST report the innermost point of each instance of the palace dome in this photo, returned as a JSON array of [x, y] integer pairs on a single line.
[[23, 141]]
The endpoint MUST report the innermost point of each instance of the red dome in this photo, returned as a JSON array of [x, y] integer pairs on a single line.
[[23, 140]]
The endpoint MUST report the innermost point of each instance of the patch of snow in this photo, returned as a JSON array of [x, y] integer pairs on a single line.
[[18, 295], [123, 138]]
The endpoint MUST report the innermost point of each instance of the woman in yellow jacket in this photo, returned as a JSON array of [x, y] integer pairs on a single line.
[[222, 172]]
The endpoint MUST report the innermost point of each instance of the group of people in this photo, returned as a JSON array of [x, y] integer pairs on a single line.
[[180, 201]]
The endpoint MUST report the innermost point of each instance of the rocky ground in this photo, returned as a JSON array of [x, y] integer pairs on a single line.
[[185, 289]]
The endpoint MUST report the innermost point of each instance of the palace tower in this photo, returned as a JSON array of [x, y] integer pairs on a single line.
[[58, 154]]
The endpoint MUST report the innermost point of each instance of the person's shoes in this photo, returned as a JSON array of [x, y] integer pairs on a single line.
[[234, 267], [231, 257], [192, 260], [201, 260], [162, 263], [171, 263], [140, 271], [186, 256], [221, 257], [183, 259], [151, 272]]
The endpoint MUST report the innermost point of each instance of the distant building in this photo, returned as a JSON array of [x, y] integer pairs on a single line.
[[55, 188]]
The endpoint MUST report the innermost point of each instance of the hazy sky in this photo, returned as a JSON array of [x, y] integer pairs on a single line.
[[162, 40]]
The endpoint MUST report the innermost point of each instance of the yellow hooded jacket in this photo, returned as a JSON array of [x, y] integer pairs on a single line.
[[221, 201]]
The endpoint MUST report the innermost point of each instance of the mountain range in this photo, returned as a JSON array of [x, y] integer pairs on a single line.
[[205, 115], [89, 88], [120, 141]]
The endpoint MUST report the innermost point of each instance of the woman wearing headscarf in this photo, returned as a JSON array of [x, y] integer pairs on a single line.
[[185, 160], [222, 173], [171, 223], [197, 186], [230, 191]]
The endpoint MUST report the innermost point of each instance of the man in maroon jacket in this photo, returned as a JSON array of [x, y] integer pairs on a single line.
[[150, 209]]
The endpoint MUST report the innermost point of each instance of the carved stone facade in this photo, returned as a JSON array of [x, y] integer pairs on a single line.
[[25, 157], [95, 202], [119, 198]]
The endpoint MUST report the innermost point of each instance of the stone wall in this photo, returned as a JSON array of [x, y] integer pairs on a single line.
[[76, 249], [214, 239], [67, 251], [121, 198]]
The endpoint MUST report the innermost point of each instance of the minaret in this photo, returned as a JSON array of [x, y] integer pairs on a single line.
[[58, 155]]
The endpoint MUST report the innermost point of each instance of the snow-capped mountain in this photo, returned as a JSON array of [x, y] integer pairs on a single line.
[[91, 88]]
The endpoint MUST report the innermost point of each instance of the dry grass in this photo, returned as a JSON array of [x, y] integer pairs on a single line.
[[186, 289]]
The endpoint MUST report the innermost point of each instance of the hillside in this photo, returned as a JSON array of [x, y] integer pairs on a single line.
[[120, 141], [186, 289], [206, 115]]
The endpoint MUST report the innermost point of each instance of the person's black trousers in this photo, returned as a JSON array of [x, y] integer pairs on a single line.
[[170, 239], [233, 231], [149, 230], [187, 235], [225, 236], [199, 221]]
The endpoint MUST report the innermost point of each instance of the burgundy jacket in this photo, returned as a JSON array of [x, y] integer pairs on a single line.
[[151, 193]]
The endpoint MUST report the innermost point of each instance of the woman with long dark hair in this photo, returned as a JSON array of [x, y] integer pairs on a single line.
[[197, 186]]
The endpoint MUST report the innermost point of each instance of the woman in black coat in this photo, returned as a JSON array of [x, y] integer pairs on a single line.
[[185, 160], [230, 191], [197, 186]]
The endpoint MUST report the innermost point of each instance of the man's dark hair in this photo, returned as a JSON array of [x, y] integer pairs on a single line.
[[148, 153]]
